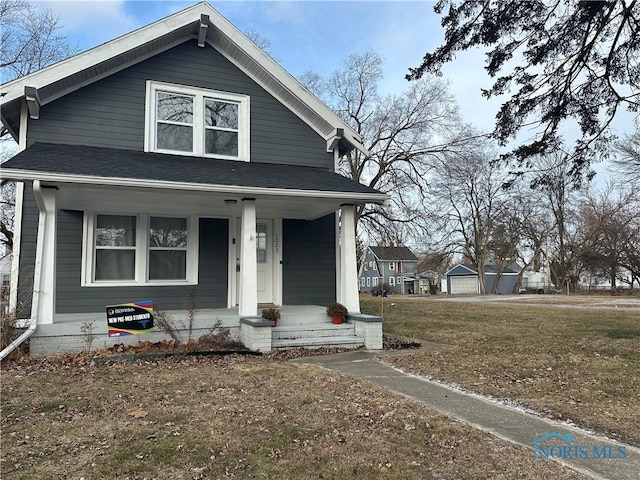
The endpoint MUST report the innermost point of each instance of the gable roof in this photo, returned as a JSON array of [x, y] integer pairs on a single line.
[[400, 253], [200, 21]]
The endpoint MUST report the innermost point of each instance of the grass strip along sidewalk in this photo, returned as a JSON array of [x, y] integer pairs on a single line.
[[576, 364]]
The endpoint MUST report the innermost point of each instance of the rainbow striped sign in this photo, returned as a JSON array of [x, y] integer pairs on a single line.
[[130, 318]]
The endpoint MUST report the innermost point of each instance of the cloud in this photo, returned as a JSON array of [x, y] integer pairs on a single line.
[[90, 23]]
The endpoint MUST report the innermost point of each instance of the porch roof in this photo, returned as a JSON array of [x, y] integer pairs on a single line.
[[107, 166]]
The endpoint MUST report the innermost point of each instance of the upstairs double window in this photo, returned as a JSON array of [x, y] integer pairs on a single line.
[[195, 121]]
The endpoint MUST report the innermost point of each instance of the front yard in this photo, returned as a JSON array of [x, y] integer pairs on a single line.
[[233, 417], [264, 417], [576, 364]]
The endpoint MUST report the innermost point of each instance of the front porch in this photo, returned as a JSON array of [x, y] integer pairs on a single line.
[[299, 326]]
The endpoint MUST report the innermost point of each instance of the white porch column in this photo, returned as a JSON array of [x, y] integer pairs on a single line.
[[348, 262], [43, 305], [248, 298]]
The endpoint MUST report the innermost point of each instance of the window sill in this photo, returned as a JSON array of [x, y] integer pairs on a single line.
[[193, 154], [166, 283]]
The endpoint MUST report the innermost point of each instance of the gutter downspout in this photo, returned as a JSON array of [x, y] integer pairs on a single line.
[[37, 276]]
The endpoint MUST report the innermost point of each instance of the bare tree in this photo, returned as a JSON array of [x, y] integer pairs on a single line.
[[401, 132], [467, 195], [522, 229], [553, 62], [560, 190], [610, 234], [627, 165], [7, 213], [30, 39]]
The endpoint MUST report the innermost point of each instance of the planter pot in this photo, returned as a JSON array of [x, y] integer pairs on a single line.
[[337, 319], [274, 321]]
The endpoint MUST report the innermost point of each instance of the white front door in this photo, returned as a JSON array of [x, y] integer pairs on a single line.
[[264, 251]]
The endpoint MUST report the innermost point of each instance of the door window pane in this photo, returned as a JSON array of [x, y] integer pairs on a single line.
[[261, 242]]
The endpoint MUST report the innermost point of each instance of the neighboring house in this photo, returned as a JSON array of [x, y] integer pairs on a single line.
[[177, 158], [394, 266], [428, 282], [536, 282], [464, 279]]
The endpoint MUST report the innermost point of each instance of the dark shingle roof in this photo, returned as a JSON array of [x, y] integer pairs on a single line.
[[393, 253], [110, 162]]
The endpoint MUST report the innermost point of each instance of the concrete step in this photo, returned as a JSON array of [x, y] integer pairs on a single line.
[[348, 341], [311, 331]]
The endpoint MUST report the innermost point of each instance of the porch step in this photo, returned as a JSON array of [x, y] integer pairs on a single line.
[[315, 335], [315, 330], [348, 341]]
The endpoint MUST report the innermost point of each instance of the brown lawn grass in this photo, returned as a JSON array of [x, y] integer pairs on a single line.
[[241, 417], [578, 364]]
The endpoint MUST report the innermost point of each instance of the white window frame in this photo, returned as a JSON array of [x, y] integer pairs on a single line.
[[392, 281], [368, 281], [362, 282], [392, 265], [374, 282], [141, 252], [199, 94]]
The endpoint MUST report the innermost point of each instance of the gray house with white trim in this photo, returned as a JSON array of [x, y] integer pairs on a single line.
[[177, 158], [395, 266]]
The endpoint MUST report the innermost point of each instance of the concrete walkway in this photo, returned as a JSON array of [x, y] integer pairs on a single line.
[[503, 421]]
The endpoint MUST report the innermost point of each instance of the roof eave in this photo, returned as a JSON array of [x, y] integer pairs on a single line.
[[344, 197]]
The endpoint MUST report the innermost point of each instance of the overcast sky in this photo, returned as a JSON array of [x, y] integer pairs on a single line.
[[312, 35]]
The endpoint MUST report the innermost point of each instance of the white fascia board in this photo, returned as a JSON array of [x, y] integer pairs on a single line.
[[96, 55], [243, 191], [463, 266]]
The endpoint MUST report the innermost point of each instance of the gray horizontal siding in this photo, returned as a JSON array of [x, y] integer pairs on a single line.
[[506, 283], [110, 112], [309, 261], [73, 298], [28, 239]]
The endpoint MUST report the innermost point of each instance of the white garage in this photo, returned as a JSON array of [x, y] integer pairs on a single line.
[[462, 280]]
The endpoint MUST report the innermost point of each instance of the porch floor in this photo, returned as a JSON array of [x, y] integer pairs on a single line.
[[206, 317], [299, 326]]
